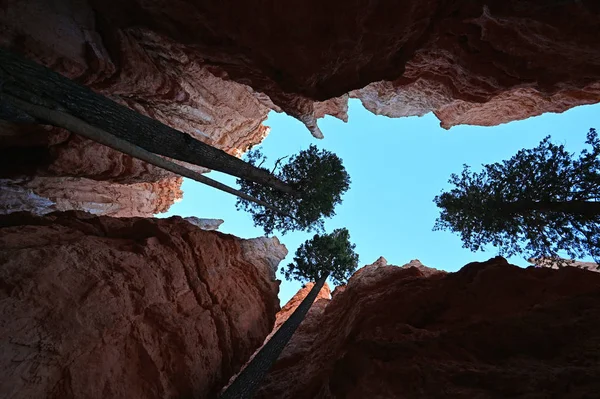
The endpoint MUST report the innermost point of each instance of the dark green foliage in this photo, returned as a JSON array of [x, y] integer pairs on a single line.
[[331, 254], [540, 202], [318, 179]]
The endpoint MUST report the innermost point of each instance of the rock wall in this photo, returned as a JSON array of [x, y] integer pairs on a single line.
[[214, 69], [99, 307], [488, 63], [554, 264], [42, 195], [520, 57], [489, 330], [135, 67], [290, 307]]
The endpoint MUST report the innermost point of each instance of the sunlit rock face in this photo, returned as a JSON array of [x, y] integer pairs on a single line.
[[42, 195], [556, 264], [136, 67], [214, 69], [100, 307], [450, 57], [489, 330], [286, 311], [205, 224]]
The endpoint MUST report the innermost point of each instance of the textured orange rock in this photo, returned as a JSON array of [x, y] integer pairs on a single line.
[[135, 67], [451, 57], [489, 330], [214, 69], [506, 61], [41, 195], [434, 52], [553, 264], [128, 308], [316, 309]]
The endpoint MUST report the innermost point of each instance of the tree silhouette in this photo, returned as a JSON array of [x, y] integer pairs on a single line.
[[318, 179], [541, 202], [316, 259]]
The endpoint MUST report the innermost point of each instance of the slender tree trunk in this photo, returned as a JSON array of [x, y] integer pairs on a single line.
[[57, 118], [248, 381], [38, 85], [589, 209]]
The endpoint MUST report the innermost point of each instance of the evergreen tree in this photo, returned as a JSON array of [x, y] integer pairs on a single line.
[[317, 259], [318, 179], [541, 202]]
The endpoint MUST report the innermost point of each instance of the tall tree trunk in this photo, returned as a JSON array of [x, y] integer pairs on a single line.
[[588, 209], [38, 85], [248, 381], [57, 118]]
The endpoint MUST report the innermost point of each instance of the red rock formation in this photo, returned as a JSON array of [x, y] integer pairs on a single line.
[[554, 264], [451, 57], [42, 195], [128, 308], [294, 302], [308, 323], [214, 69], [136, 67], [442, 51], [489, 330]]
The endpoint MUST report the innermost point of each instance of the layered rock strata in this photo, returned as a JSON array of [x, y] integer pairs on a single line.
[[99, 307], [214, 69], [489, 330]]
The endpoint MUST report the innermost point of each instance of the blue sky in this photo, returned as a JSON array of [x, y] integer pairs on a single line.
[[397, 167]]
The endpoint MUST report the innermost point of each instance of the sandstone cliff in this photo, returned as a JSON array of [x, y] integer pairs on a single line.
[[214, 70], [42, 195], [448, 56], [137, 68], [489, 330], [553, 264], [98, 307]]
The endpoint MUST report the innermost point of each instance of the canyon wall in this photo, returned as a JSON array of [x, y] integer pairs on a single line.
[[135, 67], [100, 307], [489, 330], [215, 69], [41, 195], [520, 57]]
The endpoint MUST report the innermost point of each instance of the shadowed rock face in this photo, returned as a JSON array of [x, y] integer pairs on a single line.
[[286, 312], [489, 330], [128, 308], [213, 69], [135, 67], [445, 56]]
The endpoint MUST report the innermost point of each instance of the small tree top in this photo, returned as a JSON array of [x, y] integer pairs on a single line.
[[331, 254], [539, 202], [319, 180]]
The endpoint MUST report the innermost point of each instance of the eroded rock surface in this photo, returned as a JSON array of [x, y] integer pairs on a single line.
[[214, 69], [136, 67], [308, 323], [439, 55], [99, 307], [489, 330], [554, 264], [42, 195]]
